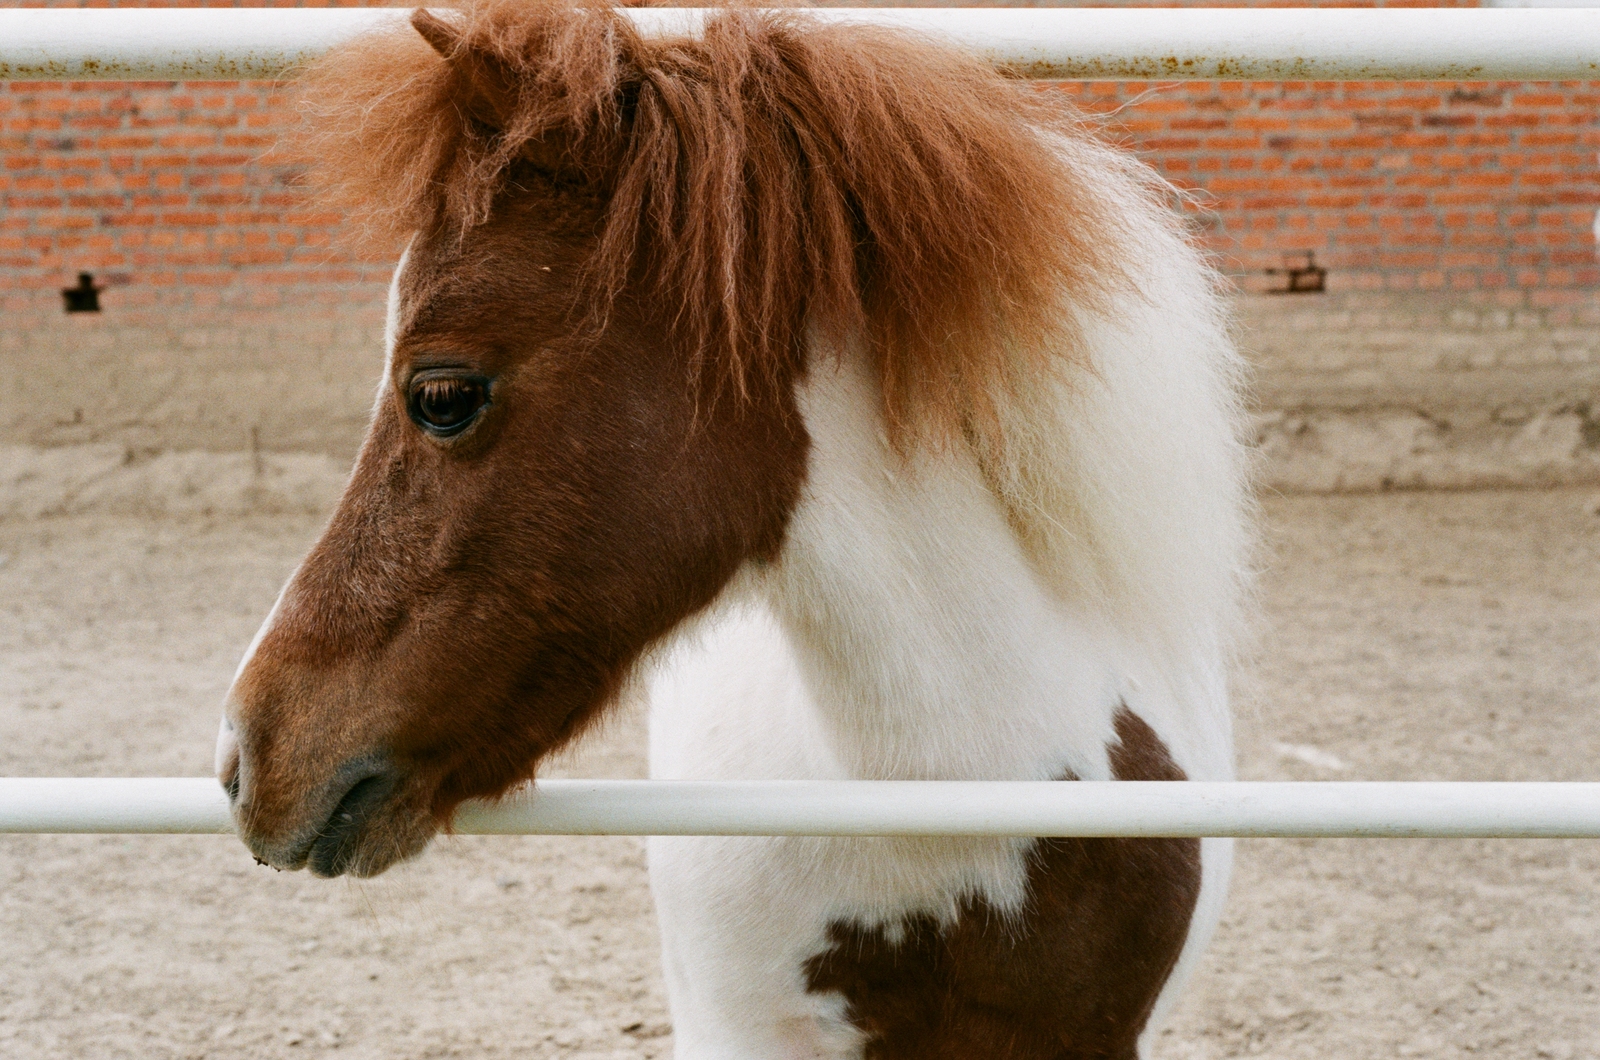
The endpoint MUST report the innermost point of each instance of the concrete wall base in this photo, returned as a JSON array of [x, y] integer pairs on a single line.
[[224, 412], [40, 482], [1332, 451]]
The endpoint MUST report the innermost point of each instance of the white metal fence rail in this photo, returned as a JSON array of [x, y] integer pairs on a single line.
[[1358, 809], [1079, 44]]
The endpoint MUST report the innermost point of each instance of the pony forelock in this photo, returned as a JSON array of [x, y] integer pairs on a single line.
[[775, 179]]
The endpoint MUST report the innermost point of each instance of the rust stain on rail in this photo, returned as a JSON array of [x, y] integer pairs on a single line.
[[277, 66], [1254, 68], [246, 67]]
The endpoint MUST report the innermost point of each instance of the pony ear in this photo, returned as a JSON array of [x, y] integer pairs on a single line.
[[488, 93], [489, 89]]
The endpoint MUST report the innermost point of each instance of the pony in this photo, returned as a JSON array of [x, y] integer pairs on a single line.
[[858, 406]]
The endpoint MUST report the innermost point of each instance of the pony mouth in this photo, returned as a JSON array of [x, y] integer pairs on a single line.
[[370, 828], [338, 846]]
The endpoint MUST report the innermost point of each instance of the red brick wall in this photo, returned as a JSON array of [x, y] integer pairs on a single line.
[[1482, 190], [1419, 198], [1485, 190], [156, 187], [161, 191]]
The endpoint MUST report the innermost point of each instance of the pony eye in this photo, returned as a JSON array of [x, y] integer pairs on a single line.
[[444, 405]]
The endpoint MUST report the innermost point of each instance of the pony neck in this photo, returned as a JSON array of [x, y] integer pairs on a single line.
[[929, 646]]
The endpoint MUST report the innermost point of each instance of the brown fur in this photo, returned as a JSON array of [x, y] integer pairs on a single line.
[[1074, 977], [773, 176], [476, 600]]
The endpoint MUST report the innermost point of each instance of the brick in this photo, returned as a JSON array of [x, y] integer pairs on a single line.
[[1484, 188]]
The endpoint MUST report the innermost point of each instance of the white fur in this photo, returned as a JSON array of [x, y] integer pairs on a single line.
[[939, 617], [227, 748], [391, 320]]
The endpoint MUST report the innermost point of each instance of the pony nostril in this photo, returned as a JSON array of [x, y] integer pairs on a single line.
[[227, 764], [229, 777]]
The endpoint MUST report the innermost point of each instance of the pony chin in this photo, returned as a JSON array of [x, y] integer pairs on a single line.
[[375, 843]]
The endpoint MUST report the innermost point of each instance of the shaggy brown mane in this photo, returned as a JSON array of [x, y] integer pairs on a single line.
[[773, 175]]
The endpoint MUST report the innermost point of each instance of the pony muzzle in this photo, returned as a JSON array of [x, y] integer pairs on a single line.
[[357, 822]]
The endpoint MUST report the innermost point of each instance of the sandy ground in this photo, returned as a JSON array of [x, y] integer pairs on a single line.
[[1411, 636]]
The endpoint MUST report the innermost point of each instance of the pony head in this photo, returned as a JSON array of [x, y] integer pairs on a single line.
[[622, 254]]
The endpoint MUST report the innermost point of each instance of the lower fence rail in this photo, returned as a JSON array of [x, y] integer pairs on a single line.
[[1245, 809]]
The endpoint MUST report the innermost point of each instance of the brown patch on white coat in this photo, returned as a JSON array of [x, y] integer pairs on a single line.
[[1074, 976]]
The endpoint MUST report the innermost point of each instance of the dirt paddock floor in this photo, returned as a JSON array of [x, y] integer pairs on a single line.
[[1409, 636]]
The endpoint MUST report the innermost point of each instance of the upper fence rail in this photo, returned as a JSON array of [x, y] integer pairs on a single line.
[[1193, 44]]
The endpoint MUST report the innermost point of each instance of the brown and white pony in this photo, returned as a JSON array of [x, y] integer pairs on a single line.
[[867, 412]]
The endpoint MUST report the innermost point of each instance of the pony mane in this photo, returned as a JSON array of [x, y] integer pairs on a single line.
[[778, 179]]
